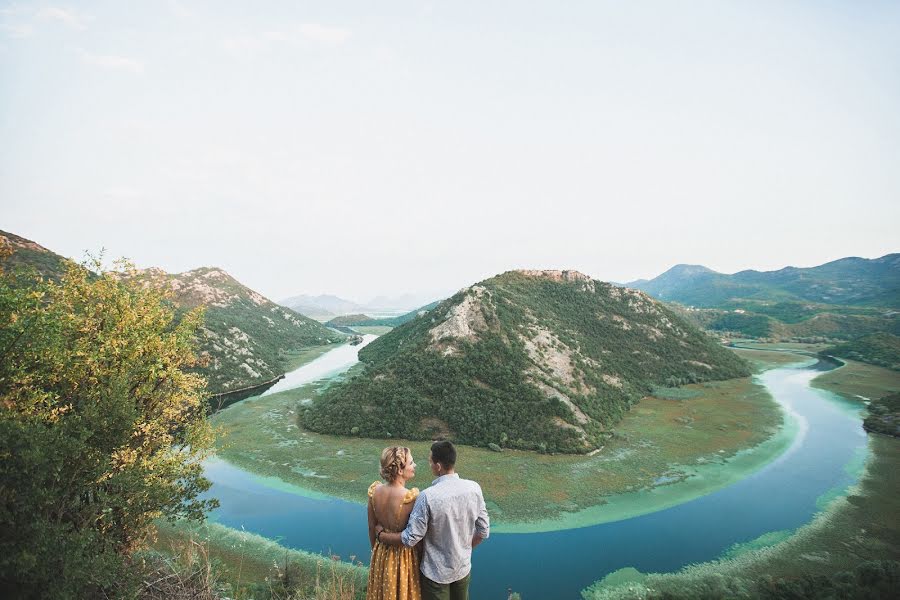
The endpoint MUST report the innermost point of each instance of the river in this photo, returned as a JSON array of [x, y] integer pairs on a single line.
[[783, 495]]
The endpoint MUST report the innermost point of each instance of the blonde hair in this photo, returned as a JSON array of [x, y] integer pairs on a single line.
[[393, 460]]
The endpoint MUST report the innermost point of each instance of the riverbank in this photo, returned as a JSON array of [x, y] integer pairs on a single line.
[[861, 526], [679, 445], [853, 526]]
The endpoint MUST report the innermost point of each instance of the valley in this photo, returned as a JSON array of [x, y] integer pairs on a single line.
[[586, 410]]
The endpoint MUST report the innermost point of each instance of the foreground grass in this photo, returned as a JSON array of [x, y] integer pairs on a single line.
[[251, 566], [662, 441], [861, 526]]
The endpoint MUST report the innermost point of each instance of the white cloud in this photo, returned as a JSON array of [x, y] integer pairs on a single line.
[[68, 17], [179, 10], [243, 45], [305, 33], [332, 36], [17, 30], [110, 61]]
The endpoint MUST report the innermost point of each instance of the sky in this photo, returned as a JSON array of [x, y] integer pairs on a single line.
[[380, 148]]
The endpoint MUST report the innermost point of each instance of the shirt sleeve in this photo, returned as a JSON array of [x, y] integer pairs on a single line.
[[417, 525], [482, 522]]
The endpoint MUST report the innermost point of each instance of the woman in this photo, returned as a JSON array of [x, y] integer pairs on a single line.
[[394, 570]]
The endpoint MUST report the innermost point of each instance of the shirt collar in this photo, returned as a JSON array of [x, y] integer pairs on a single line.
[[445, 477]]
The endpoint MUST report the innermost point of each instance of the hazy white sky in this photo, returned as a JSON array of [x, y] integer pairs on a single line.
[[364, 148]]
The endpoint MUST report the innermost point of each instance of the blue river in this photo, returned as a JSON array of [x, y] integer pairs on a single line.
[[783, 495]]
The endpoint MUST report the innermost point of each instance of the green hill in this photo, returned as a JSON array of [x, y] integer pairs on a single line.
[[349, 320], [540, 360], [245, 336], [792, 321], [848, 281]]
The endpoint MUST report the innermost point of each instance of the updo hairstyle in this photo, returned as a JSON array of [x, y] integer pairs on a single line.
[[393, 460]]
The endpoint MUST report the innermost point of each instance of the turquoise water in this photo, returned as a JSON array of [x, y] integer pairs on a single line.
[[823, 461]]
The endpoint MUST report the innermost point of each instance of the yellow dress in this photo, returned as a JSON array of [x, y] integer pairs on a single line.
[[394, 570]]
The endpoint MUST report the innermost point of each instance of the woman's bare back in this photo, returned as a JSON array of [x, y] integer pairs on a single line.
[[391, 506]]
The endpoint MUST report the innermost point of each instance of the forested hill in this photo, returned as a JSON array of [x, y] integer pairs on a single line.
[[245, 335], [541, 360], [847, 281]]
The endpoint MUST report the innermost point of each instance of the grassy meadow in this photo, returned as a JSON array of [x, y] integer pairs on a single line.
[[859, 381]]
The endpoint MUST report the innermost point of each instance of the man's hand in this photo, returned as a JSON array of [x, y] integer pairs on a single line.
[[476, 539]]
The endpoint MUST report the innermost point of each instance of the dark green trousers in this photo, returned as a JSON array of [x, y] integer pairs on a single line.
[[458, 590]]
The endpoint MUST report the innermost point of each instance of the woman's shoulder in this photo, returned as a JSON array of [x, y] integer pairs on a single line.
[[372, 488], [411, 495]]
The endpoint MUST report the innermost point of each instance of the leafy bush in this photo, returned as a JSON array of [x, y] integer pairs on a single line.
[[101, 431]]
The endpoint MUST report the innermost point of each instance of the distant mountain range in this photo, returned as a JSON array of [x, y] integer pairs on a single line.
[[246, 338], [852, 301], [847, 281], [539, 360], [324, 305], [327, 306]]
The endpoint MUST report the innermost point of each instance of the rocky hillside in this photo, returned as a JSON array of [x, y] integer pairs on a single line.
[[245, 339], [847, 281], [245, 336], [541, 360], [32, 255]]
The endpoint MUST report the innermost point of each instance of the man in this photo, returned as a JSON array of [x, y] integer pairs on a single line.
[[451, 518]]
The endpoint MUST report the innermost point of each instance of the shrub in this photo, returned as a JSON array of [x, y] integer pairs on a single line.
[[101, 430]]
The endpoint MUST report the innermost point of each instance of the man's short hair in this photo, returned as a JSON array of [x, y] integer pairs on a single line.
[[444, 452]]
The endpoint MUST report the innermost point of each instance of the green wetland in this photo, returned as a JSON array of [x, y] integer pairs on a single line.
[[662, 441], [326, 467]]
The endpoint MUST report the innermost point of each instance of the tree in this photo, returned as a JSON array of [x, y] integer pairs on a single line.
[[101, 429]]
